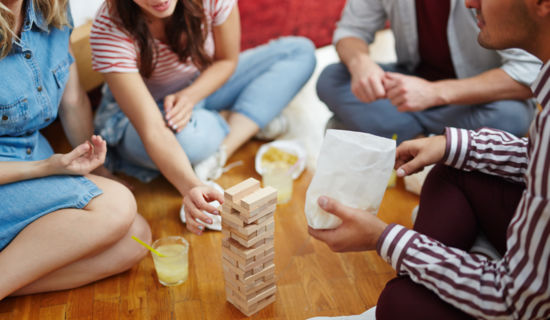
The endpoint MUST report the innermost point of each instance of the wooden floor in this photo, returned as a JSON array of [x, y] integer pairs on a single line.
[[312, 280]]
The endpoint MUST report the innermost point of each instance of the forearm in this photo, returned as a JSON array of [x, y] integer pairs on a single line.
[[24, 170], [489, 151], [354, 53], [169, 157], [77, 121], [492, 85], [75, 111], [211, 79]]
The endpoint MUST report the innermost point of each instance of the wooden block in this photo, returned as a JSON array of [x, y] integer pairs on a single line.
[[261, 214], [227, 259], [248, 253], [241, 271], [238, 191], [251, 228], [265, 272], [258, 261], [232, 219], [225, 234], [254, 297], [246, 290], [226, 251], [251, 241], [250, 310], [259, 198], [261, 304]]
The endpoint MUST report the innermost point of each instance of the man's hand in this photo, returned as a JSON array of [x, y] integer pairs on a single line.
[[410, 93], [366, 83], [359, 230], [197, 200], [413, 155], [178, 108], [81, 160]]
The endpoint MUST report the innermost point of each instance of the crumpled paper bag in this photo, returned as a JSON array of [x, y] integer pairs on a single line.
[[354, 168]]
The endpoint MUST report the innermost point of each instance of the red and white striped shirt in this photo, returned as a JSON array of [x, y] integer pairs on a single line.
[[114, 50], [518, 285]]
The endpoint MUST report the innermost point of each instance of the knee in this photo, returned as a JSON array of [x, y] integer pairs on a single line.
[[391, 303], [514, 117], [133, 252], [332, 77], [203, 135], [301, 51], [117, 212]]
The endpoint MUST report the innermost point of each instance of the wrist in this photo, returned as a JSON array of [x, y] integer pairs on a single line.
[[359, 63], [443, 92], [189, 185], [191, 93], [46, 167]]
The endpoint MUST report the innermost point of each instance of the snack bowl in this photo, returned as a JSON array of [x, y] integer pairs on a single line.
[[288, 146]]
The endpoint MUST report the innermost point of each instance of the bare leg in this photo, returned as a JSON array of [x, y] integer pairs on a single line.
[[53, 245], [116, 259], [242, 129]]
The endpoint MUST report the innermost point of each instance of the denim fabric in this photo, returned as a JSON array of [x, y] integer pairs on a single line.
[[266, 79], [382, 118], [33, 77]]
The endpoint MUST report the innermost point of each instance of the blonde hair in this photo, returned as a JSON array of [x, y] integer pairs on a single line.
[[54, 12]]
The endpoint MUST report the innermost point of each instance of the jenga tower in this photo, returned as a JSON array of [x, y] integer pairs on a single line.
[[248, 227]]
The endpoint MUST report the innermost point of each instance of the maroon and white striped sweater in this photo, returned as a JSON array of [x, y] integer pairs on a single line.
[[518, 285]]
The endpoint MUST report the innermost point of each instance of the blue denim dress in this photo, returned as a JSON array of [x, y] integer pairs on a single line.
[[33, 77]]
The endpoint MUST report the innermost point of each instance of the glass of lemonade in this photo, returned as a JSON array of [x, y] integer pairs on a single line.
[[173, 268], [279, 176]]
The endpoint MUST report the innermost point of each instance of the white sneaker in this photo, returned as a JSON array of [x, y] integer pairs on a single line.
[[211, 168], [216, 219], [275, 128]]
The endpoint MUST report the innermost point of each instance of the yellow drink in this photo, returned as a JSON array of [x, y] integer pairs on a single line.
[[172, 269], [278, 176]]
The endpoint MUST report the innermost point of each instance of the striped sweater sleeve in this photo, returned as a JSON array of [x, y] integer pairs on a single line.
[[487, 150], [518, 285]]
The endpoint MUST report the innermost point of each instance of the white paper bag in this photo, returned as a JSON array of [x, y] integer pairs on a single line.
[[354, 168]]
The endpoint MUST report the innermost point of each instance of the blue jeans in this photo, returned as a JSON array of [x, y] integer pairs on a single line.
[[382, 118], [265, 81]]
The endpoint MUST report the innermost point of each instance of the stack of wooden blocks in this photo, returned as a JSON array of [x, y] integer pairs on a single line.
[[248, 227]]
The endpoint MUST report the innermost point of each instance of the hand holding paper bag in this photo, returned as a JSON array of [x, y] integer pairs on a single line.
[[354, 168]]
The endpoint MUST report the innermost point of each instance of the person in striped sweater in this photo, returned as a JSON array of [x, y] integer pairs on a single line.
[[180, 97], [485, 180]]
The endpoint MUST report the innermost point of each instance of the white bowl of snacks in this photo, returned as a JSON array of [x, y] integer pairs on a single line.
[[288, 151]]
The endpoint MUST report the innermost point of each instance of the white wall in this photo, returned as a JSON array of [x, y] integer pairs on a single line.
[[84, 10]]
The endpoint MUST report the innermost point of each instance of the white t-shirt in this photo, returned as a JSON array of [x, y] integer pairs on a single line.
[[114, 50]]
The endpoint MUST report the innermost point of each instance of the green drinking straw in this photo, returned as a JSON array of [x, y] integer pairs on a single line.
[[148, 246]]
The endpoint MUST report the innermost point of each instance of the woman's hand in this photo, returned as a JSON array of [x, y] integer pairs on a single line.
[[81, 160], [178, 108], [197, 200], [413, 155]]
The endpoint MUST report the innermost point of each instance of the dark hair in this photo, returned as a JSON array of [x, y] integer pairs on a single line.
[[186, 31]]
